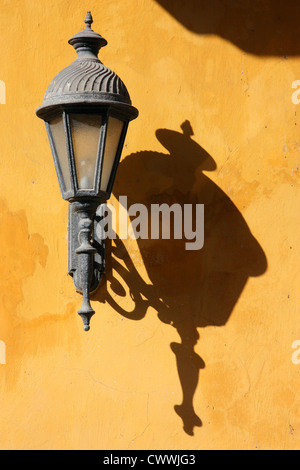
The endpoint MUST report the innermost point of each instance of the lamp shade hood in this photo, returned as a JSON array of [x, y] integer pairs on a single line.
[[87, 81]]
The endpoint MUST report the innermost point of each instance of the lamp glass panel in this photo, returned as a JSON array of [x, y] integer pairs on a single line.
[[114, 130], [85, 130], [59, 141]]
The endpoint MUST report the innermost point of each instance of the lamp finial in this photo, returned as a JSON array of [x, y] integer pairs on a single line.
[[88, 20], [87, 43]]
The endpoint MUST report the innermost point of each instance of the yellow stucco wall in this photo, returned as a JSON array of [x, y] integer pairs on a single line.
[[187, 349]]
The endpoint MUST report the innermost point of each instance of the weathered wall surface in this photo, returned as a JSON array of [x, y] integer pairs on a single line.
[[187, 349]]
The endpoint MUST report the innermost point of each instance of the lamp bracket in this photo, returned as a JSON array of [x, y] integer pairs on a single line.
[[98, 242]]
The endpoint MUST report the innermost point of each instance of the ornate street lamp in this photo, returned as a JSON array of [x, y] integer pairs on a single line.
[[86, 109]]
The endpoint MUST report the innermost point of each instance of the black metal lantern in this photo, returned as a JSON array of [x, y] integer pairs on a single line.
[[86, 109]]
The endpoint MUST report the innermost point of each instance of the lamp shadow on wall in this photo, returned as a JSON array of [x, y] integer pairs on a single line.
[[189, 289], [260, 27]]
